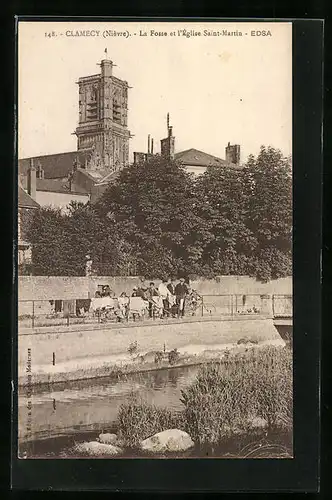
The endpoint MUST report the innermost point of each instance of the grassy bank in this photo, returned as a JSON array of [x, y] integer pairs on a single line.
[[233, 396]]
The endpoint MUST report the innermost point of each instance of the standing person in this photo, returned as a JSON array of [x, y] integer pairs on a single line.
[[171, 297], [164, 293], [151, 293], [123, 302], [181, 290]]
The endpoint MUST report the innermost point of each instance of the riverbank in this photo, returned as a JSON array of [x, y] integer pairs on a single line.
[[235, 407], [257, 444], [55, 356]]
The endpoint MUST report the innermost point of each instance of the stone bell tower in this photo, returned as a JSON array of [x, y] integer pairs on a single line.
[[102, 132]]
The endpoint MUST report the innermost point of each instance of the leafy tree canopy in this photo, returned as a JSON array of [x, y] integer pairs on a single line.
[[156, 219]]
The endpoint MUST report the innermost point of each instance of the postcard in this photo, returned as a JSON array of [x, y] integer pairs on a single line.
[[154, 243]]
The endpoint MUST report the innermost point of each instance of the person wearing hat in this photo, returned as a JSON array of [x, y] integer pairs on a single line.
[[181, 291]]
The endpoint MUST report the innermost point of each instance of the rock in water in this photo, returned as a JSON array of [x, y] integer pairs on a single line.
[[108, 438], [170, 440], [93, 448]]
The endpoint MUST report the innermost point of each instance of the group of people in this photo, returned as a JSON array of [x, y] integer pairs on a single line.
[[168, 298], [164, 301]]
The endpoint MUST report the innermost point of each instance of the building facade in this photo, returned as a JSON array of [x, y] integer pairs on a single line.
[[102, 146], [103, 132], [55, 193]]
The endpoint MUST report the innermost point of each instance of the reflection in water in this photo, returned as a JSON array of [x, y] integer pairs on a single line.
[[71, 407]]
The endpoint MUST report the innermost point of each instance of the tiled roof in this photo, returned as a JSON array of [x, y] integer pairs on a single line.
[[55, 166], [195, 157], [59, 186], [55, 186], [25, 200]]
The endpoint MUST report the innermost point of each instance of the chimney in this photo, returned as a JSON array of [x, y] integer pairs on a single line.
[[152, 146], [232, 153], [70, 180], [40, 171], [149, 144], [32, 183]]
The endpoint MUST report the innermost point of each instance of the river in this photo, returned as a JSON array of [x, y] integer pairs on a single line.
[[67, 413], [92, 405]]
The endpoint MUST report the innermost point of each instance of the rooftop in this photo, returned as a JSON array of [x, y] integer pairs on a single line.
[[25, 200], [56, 186], [195, 157], [55, 166]]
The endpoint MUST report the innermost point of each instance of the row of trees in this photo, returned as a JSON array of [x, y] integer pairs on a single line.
[[157, 220]]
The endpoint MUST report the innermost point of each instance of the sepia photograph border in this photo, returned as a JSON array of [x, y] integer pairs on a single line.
[[297, 474]]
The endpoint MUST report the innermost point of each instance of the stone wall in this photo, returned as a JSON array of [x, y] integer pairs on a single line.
[[63, 287]]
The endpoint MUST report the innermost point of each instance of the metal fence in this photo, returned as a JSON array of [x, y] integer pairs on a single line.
[[66, 312]]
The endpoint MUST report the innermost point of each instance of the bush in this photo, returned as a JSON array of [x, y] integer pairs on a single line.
[[226, 397], [138, 420], [173, 356], [133, 348]]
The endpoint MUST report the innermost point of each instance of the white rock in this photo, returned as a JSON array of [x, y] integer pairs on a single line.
[[258, 423], [170, 440], [94, 448], [108, 438]]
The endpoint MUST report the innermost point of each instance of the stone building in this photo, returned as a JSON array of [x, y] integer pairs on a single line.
[[102, 146], [56, 191], [103, 132]]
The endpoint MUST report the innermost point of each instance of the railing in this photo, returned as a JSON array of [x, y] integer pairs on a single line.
[[40, 313], [282, 306]]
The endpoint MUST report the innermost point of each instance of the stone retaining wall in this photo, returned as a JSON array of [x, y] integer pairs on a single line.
[[76, 287], [69, 351]]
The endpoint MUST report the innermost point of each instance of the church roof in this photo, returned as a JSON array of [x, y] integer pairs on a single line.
[[55, 166], [195, 157], [25, 200]]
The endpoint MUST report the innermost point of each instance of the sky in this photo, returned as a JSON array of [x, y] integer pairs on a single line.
[[217, 89]]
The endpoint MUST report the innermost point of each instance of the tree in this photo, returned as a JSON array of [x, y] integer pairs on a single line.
[[61, 242], [223, 207], [249, 213], [48, 236], [153, 206], [268, 191], [157, 220]]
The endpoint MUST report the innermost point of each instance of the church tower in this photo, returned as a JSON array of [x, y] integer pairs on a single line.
[[102, 132]]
